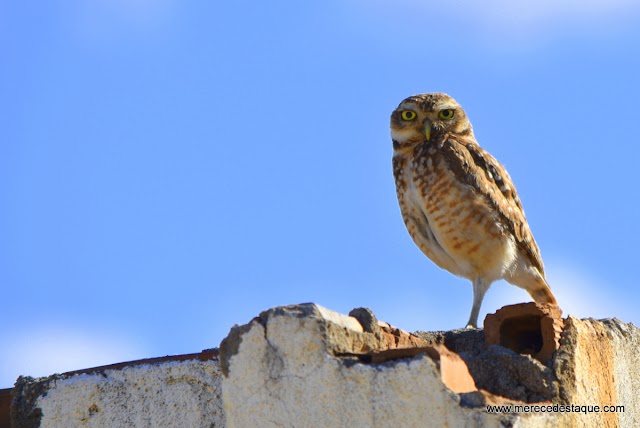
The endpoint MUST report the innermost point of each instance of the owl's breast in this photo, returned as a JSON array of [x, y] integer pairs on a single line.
[[410, 189], [449, 220]]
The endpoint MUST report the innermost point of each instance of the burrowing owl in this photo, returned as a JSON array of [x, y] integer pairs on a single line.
[[458, 203]]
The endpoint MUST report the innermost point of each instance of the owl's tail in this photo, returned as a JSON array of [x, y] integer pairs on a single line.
[[535, 284], [543, 294]]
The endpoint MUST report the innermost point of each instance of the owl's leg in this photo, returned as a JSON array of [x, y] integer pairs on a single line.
[[480, 287]]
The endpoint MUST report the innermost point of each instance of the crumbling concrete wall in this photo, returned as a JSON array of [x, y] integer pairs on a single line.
[[598, 363], [306, 366], [178, 392]]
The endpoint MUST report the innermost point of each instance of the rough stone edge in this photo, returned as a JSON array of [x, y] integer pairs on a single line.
[[565, 363], [459, 340], [345, 335], [230, 345], [24, 412]]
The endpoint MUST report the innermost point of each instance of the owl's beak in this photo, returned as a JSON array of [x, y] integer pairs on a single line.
[[427, 129]]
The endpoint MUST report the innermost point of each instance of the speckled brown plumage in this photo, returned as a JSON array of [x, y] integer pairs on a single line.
[[458, 203]]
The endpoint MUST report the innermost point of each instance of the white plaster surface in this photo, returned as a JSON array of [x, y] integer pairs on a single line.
[[168, 394], [626, 372], [284, 375]]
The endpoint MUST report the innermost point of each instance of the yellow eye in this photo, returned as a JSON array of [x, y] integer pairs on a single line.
[[408, 115], [446, 114]]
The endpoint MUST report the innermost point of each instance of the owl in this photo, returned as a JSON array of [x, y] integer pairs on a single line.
[[458, 203]]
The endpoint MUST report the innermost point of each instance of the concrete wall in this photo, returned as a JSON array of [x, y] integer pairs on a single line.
[[182, 391], [306, 366]]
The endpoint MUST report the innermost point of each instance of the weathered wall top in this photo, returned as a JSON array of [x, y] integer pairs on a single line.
[[177, 391], [304, 365]]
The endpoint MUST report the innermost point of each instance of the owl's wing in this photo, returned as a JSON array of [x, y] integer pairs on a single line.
[[475, 166]]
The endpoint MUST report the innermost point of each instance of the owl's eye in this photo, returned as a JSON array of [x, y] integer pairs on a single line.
[[446, 114], [408, 115]]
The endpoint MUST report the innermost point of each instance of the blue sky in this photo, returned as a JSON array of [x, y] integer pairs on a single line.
[[171, 168]]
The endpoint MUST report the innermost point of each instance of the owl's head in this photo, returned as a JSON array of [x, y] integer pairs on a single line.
[[428, 117]]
